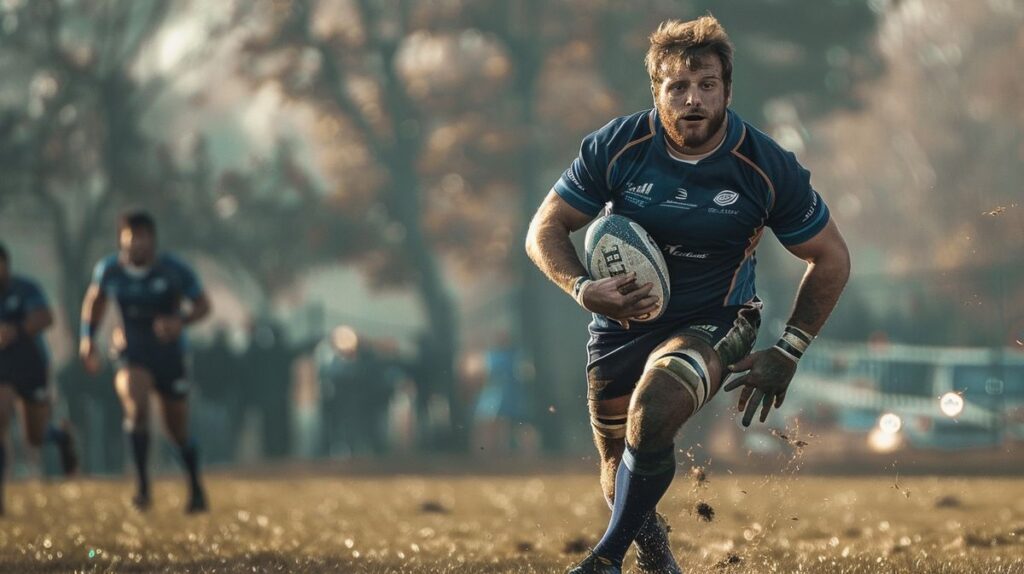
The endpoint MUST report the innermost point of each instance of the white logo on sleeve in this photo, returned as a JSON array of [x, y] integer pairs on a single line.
[[726, 197]]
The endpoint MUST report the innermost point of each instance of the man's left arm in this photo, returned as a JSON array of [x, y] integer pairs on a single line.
[[769, 372], [169, 328]]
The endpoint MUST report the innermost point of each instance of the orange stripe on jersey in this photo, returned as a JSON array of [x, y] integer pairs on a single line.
[[736, 152], [754, 240], [608, 172]]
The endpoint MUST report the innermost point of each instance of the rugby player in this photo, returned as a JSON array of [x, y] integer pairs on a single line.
[[24, 367], [705, 184], [158, 295]]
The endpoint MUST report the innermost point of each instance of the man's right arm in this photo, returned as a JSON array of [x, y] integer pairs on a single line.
[[549, 247], [548, 243], [93, 308]]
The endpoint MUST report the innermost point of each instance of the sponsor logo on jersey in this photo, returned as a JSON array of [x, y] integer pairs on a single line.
[[572, 177], [679, 201], [726, 197], [810, 210], [638, 194], [709, 329], [158, 285], [679, 251], [641, 189], [717, 211]]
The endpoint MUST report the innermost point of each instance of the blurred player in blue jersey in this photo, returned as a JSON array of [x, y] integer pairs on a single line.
[[705, 184], [24, 367], [158, 295]]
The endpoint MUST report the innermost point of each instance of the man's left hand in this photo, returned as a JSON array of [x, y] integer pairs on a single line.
[[767, 377], [168, 327]]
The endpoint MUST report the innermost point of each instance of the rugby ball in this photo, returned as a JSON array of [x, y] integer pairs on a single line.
[[616, 245]]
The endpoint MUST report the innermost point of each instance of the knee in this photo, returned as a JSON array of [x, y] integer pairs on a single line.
[[136, 418], [660, 407]]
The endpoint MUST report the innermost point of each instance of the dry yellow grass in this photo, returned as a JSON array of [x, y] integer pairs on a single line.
[[514, 525]]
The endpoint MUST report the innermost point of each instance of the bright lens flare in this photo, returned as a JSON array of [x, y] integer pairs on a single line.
[[881, 441], [951, 404], [890, 423]]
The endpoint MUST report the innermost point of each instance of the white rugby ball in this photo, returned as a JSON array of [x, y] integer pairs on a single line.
[[616, 245]]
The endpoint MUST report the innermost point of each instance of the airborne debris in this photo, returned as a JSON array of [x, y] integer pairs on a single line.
[[576, 546], [730, 560], [705, 511], [433, 507], [523, 546], [997, 211], [948, 501], [904, 491], [791, 441], [698, 475]]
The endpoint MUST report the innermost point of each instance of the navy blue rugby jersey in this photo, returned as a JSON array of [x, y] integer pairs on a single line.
[[707, 217], [143, 294], [21, 297]]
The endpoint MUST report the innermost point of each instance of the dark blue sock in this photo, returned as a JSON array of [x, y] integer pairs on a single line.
[[650, 536], [140, 454], [190, 458], [641, 481], [56, 435]]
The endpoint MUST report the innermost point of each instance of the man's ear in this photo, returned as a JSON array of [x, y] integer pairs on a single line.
[[654, 93], [728, 95]]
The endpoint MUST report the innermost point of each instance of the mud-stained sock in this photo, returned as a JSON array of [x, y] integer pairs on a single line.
[[190, 459], [139, 441], [650, 538], [641, 481]]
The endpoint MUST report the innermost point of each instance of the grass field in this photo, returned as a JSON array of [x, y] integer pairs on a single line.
[[507, 524]]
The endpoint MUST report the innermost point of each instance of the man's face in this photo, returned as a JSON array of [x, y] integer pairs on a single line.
[[138, 246], [692, 104]]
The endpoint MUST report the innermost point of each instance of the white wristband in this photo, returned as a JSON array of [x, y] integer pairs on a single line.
[[579, 288]]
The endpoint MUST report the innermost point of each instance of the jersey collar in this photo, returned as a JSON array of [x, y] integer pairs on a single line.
[[733, 132]]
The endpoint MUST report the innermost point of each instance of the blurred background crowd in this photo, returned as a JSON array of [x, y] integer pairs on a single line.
[[353, 179]]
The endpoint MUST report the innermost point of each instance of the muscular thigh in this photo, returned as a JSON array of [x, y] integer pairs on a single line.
[[133, 385]]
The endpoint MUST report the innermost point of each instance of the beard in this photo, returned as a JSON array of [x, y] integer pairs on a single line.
[[686, 136]]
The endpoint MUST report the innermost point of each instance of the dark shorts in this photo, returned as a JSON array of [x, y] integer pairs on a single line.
[[167, 369], [616, 360], [31, 386]]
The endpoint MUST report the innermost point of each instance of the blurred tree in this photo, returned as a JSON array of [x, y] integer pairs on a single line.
[[346, 60], [77, 144], [927, 172], [71, 142]]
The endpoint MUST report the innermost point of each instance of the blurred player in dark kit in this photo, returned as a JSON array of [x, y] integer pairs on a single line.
[[24, 367], [158, 295]]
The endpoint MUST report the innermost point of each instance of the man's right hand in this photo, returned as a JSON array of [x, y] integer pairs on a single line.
[[87, 352], [619, 298]]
